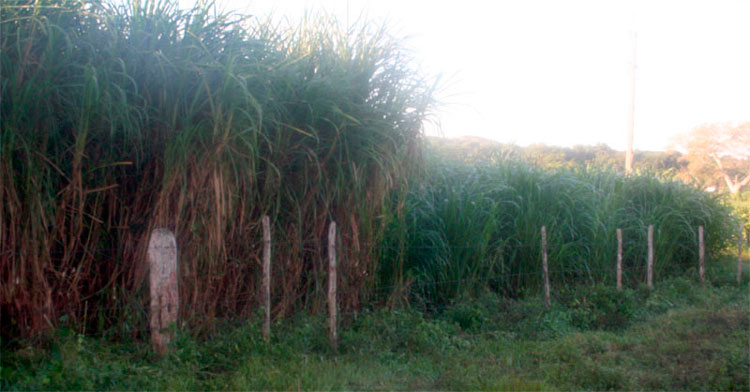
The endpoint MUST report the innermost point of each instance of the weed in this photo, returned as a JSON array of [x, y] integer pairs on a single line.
[[600, 307]]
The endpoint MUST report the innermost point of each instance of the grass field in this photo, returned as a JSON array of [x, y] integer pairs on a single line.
[[119, 119], [680, 336]]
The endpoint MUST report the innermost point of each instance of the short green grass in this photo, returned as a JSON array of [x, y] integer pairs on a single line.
[[679, 336]]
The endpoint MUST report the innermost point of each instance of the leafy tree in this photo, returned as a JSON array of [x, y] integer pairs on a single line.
[[600, 156], [718, 152]]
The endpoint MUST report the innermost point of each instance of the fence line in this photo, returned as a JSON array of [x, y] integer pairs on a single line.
[[163, 309], [244, 297]]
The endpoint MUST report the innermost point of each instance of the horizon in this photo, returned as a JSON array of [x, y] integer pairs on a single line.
[[543, 144]]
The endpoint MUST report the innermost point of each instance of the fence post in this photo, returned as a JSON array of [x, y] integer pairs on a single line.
[[545, 267], [332, 285], [650, 263], [266, 286], [619, 259], [701, 255], [162, 262], [739, 255]]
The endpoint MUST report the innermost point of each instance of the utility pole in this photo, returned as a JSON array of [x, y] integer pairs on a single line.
[[631, 112]]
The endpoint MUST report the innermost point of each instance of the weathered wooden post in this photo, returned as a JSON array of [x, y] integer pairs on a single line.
[[619, 259], [650, 262], [701, 255], [545, 267], [332, 310], [266, 286], [739, 255], [162, 261]]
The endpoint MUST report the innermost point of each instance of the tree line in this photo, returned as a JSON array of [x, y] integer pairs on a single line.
[[715, 157]]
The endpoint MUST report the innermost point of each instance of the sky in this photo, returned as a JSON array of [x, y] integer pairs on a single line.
[[559, 72]]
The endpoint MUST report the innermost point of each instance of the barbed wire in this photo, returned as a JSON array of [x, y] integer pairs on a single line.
[[187, 324], [490, 248], [508, 246], [253, 297], [344, 318]]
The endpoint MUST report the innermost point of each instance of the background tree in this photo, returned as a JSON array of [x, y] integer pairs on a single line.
[[478, 150], [718, 152]]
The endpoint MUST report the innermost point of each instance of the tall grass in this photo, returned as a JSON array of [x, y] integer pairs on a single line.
[[119, 118], [469, 228]]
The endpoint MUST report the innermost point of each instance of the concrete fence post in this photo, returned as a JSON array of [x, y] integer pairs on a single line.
[[332, 300], [164, 306]]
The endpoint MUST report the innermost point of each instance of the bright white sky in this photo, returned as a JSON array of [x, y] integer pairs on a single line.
[[558, 72]]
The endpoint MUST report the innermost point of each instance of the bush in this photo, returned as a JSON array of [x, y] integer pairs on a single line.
[[467, 314]]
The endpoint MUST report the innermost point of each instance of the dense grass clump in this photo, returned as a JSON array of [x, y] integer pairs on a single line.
[[466, 228], [117, 119], [121, 118]]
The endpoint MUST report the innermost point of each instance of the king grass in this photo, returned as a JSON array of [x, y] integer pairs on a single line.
[[121, 118], [118, 119], [467, 228]]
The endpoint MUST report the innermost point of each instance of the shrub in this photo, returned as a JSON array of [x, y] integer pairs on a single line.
[[467, 314]]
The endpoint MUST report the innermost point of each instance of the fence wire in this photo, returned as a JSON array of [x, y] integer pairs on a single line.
[[508, 246]]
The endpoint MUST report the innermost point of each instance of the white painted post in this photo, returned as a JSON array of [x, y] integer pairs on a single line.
[[545, 267], [619, 259], [650, 265], [266, 286], [701, 255], [162, 261], [739, 256], [332, 310]]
